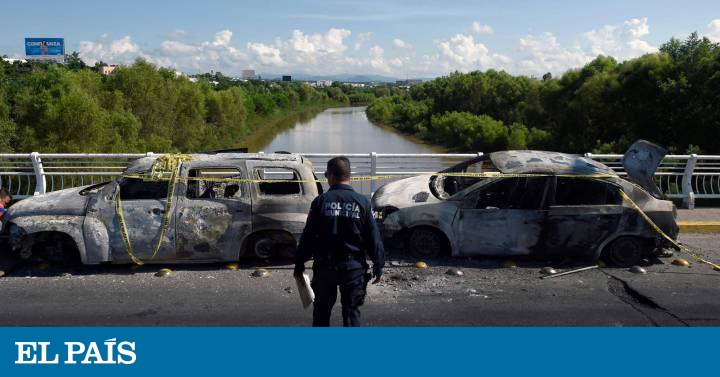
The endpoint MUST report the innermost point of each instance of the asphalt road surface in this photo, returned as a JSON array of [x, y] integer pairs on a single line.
[[488, 294]]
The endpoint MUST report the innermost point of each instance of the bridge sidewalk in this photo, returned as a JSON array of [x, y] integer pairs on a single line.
[[699, 220]]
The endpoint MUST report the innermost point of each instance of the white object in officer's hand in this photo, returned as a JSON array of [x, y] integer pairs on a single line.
[[307, 296]]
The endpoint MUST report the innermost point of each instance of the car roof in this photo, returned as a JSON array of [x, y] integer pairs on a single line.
[[144, 164], [542, 162]]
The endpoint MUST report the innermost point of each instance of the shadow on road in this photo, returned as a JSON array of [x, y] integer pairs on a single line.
[[13, 267]]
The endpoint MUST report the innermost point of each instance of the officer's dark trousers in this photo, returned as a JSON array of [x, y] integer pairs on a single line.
[[325, 284]]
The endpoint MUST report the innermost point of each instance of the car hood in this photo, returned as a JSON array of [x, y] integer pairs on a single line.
[[404, 193], [67, 202]]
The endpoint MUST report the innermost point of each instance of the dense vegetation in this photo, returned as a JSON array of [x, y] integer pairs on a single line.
[[671, 97], [71, 108]]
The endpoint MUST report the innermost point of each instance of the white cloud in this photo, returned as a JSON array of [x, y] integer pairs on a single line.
[[399, 43], [335, 51], [120, 50], [361, 39], [543, 53], [222, 38], [266, 55], [713, 32], [175, 48], [620, 41], [462, 53], [479, 28], [178, 33]]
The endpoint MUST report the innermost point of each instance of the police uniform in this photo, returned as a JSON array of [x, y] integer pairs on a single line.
[[339, 234]]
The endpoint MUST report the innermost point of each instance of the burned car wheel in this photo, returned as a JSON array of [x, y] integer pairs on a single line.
[[264, 248], [426, 242], [625, 251], [50, 247]]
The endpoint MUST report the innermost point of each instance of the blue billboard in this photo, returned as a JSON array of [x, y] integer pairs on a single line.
[[52, 48]]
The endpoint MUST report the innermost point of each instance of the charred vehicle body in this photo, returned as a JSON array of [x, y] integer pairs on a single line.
[[214, 218], [538, 203]]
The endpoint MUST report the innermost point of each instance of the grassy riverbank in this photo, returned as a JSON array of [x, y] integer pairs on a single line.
[[267, 127], [48, 107]]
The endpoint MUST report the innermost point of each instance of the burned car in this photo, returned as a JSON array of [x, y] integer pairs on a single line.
[[224, 205], [532, 202]]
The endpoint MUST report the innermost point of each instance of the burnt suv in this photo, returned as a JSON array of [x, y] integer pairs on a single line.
[[212, 219]]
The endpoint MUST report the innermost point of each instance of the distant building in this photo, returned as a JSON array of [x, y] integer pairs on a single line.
[[408, 83], [287, 78], [107, 70], [323, 83], [11, 60], [248, 74], [355, 84]]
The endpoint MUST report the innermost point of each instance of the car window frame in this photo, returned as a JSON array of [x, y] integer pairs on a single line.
[[256, 174], [552, 194], [118, 190], [242, 188], [469, 200]]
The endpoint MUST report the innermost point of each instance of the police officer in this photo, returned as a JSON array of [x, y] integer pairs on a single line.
[[339, 233]]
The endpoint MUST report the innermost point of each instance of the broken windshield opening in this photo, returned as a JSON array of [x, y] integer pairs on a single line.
[[445, 186]]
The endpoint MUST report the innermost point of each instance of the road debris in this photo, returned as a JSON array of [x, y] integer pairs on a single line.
[[556, 274], [261, 273], [66, 275], [395, 263], [2, 273], [163, 272], [681, 262], [421, 265], [398, 277], [548, 271], [509, 264], [455, 272], [638, 270], [666, 253], [232, 266]]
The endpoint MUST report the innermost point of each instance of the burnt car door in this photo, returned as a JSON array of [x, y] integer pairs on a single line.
[[504, 217], [212, 215], [583, 212], [143, 209], [280, 202]]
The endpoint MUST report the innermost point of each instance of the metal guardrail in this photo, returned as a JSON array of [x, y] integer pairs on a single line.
[[686, 177]]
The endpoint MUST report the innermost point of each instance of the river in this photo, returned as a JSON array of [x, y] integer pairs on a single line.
[[339, 130]]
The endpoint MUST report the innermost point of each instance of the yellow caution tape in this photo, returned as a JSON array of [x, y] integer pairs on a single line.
[[167, 167], [361, 178], [164, 167], [657, 229]]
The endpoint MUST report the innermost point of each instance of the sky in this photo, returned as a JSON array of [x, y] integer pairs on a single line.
[[394, 38]]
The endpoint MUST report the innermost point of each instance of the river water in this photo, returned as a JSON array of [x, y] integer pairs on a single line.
[[340, 130]]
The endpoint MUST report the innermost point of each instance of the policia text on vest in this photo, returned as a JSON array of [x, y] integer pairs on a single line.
[[340, 234]]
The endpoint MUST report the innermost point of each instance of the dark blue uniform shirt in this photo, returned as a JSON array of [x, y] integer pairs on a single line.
[[340, 232]]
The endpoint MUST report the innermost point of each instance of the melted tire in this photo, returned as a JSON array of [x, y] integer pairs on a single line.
[[625, 251], [426, 243]]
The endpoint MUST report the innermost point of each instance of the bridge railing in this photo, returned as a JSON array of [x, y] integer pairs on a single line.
[[686, 177]]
